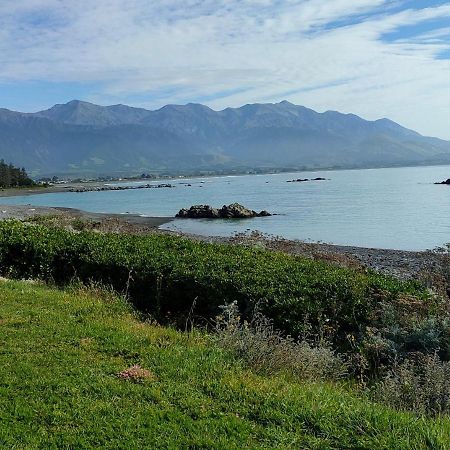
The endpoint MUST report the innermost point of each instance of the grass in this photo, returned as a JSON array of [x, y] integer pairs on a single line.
[[61, 353]]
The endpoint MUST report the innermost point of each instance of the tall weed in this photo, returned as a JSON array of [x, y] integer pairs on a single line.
[[267, 350], [420, 384]]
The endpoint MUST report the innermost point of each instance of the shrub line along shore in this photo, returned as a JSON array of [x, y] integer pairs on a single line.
[[182, 270], [403, 264]]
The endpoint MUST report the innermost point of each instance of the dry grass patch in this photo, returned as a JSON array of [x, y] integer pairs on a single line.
[[136, 373]]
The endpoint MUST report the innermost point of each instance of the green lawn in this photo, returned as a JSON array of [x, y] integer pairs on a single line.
[[60, 353]]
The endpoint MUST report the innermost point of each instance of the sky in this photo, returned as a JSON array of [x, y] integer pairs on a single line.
[[374, 58]]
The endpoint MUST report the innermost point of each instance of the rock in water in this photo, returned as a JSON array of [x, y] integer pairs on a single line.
[[236, 211], [199, 212], [232, 211], [298, 180], [302, 180], [447, 181]]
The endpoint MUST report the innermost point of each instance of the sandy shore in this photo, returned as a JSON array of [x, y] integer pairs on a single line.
[[23, 212]]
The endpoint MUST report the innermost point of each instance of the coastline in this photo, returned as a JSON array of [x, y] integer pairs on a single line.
[[24, 212], [56, 188], [94, 185], [427, 265]]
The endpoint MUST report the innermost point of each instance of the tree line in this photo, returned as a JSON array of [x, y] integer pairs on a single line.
[[11, 176]]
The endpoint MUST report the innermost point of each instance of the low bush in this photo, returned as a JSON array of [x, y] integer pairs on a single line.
[[404, 326]]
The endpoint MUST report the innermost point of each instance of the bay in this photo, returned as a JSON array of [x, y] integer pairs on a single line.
[[398, 208]]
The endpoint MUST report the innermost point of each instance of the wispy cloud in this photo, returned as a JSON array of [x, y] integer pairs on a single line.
[[353, 56]]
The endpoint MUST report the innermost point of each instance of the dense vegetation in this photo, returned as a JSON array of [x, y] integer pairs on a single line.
[[376, 320], [79, 370], [11, 176], [166, 275]]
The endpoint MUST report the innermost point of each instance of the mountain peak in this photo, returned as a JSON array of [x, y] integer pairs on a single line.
[[187, 106], [75, 103], [69, 106], [78, 112], [286, 103]]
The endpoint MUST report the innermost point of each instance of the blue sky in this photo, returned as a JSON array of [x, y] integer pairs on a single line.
[[375, 58]]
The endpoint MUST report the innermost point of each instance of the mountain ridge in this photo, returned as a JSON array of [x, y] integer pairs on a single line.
[[84, 138]]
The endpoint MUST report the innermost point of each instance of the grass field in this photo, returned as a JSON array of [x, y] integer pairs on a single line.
[[61, 353]]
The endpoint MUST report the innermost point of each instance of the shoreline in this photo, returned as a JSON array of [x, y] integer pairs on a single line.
[[98, 185], [425, 265], [67, 187], [132, 219], [24, 212]]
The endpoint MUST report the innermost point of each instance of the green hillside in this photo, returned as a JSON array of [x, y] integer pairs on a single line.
[[61, 353]]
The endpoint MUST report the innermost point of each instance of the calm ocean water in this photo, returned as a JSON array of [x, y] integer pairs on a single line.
[[396, 208]]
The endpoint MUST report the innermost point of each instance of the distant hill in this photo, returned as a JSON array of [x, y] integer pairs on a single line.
[[81, 138]]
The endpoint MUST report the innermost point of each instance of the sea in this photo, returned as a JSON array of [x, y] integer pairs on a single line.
[[395, 208]]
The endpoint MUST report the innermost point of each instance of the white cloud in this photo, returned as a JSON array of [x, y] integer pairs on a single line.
[[233, 52]]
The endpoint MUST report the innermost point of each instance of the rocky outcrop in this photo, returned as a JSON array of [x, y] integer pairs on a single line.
[[232, 211], [447, 181], [199, 212], [235, 210]]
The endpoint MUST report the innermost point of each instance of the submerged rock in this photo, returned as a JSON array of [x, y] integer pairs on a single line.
[[118, 188], [232, 211]]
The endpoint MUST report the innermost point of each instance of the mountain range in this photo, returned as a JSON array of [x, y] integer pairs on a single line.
[[80, 138]]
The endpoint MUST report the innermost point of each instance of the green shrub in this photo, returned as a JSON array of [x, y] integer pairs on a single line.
[[403, 326]]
